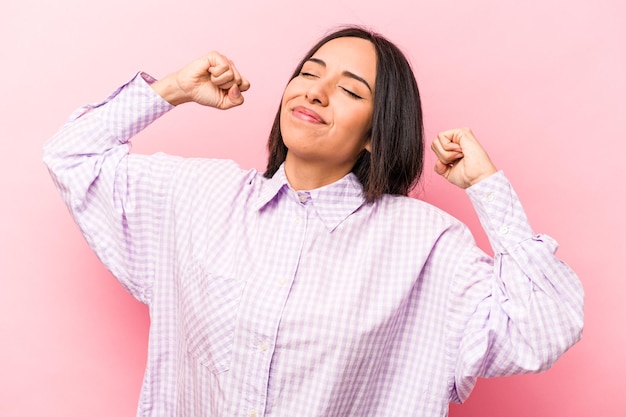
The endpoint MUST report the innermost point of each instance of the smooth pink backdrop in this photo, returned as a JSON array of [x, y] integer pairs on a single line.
[[542, 84]]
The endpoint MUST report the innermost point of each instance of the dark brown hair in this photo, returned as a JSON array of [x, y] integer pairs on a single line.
[[396, 160]]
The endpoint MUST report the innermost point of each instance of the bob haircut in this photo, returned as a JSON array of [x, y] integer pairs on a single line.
[[396, 160]]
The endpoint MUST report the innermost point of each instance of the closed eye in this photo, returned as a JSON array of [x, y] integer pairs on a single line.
[[307, 74], [351, 94]]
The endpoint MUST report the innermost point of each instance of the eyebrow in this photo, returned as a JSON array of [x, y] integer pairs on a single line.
[[345, 73]]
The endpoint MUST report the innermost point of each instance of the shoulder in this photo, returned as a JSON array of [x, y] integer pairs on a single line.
[[206, 171], [412, 209], [215, 181], [419, 220]]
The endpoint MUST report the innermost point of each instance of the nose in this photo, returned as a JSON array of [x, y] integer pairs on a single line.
[[317, 92]]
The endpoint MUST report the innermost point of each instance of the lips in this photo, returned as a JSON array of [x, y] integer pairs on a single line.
[[307, 115]]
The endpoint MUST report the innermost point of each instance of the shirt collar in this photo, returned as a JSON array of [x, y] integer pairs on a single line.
[[333, 202]]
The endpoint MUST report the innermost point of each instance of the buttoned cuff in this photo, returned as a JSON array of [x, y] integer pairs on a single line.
[[500, 212]]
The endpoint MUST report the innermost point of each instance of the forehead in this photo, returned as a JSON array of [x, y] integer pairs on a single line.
[[351, 54]]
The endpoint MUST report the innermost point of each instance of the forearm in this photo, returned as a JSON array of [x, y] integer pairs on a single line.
[[170, 91]]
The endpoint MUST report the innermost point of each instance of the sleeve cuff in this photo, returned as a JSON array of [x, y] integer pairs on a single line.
[[132, 107], [500, 212]]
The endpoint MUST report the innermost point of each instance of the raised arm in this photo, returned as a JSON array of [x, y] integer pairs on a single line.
[[520, 311], [119, 200]]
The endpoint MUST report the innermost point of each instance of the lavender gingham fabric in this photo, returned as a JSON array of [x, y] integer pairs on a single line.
[[265, 301]]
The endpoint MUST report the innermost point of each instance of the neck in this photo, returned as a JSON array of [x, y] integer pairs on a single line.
[[304, 175]]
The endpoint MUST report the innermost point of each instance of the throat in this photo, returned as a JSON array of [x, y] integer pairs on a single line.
[[305, 175]]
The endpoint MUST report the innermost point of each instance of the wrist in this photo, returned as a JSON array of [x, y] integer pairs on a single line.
[[170, 91], [486, 174]]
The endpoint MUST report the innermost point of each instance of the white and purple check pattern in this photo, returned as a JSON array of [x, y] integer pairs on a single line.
[[265, 301]]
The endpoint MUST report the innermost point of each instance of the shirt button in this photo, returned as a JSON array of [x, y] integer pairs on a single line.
[[490, 197], [253, 413], [282, 281], [503, 230], [296, 219], [302, 197], [263, 346]]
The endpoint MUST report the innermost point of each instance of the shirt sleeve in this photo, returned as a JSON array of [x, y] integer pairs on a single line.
[[515, 313], [117, 199]]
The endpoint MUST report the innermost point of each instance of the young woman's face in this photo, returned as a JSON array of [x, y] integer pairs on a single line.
[[326, 111]]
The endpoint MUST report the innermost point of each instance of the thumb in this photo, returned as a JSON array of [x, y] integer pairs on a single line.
[[234, 97], [440, 167]]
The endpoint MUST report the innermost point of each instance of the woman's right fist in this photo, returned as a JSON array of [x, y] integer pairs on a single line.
[[212, 80]]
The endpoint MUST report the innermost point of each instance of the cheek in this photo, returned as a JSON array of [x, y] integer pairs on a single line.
[[359, 122], [283, 103], [291, 90], [288, 93], [283, 112]]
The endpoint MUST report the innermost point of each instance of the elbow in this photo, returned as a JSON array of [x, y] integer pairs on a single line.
[[556, 343]]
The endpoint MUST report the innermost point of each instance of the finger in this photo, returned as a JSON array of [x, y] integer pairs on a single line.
[[236, 75], [245, 85], [241, 82], [218, 70], [218, 63], [224, 73], [446, 156], [450, 140], [224, 80]]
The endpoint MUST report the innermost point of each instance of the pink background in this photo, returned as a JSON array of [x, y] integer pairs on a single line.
[[541, 83]]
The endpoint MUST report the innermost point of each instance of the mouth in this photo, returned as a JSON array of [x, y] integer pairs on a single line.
[[307, 115]]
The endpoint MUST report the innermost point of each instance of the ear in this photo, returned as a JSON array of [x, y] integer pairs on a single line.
[[368, 145]]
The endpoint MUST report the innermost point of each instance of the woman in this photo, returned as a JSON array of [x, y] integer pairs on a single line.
[[318, 288]]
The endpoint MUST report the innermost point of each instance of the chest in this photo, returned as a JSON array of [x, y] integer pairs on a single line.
[[288, 269]]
